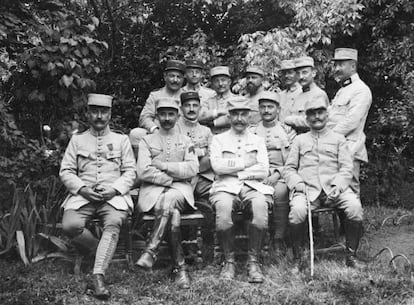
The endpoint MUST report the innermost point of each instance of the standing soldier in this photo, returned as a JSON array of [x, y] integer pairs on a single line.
[[214, 111], [98, 169], [319, 166], [254, 87], [194, 75], [350, 106], [201, 137], [277, 145], [173, 78], [288, 97], [166, 165], [305, 68], [239, 160]]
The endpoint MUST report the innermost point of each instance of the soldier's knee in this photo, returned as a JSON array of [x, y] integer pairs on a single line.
[[354, 211], [72, 226], [175, 220], [114, 221], [281, 193], [298, 213]]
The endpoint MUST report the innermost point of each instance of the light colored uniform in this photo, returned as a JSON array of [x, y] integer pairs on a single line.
[[288, 102], [347, 116], [277, 145], [236, 186], [203, 92], [209, 110], [171, 187], [147, 119], [299, 118], [321, 160], [93, 159], [254, 117]]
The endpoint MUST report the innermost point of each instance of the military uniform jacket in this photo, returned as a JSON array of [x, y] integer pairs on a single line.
[[227, 153], [201, 138], [348, 113], [277, 144], [176, 151], [203, 92], [321, 160], [254, 116], [209, 110], [93, 159], [147, 118], [288, 102], [299, 118]]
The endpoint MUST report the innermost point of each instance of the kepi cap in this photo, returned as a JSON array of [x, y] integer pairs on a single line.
[[175, 65], [269, 96], [238, 103], [255, 70], [167, 102], [317, 102], [220, 70], [102, 100], [189, 95], [194, 63], [305, 61], [345, 54], [287, 64]]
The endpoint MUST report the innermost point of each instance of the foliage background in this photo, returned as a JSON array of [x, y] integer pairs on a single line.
[[54, 52]]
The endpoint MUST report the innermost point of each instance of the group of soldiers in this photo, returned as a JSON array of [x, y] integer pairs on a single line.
[[251, 153]]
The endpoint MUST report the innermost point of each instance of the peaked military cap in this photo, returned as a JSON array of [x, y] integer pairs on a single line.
[[194, 63], [345, 54], [102, 100], [189, 95], [255, 69], [317, 102], [304, 61], [176, 65], [269, 96], [220, 70], [238, 103], [287, 64], [167, 102]]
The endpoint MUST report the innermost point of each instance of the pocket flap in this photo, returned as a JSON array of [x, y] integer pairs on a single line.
[[113, 154], [83, 153]]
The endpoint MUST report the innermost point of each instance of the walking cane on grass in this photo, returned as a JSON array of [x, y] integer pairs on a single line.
[[312, 256]]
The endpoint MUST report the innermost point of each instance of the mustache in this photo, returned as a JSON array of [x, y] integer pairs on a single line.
[[191, 112]]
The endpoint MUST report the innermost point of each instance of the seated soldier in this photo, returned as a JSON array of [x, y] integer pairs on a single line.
[[277, 144], [166, 164], [201, 137], [239, 160], [98, 169], [320, 166]]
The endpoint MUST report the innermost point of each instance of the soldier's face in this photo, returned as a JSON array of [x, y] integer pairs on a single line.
[[253, 82], [167, 117], [239, 120], [193, 75], [289, 77], [317, 118], [99, 117], [306, 75], [173, 80], [191, 109], [221, 84], [268, 111], [343, 69]]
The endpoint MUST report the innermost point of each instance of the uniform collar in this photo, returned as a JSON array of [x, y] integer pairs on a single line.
[[308, 88], [353, 78], [170, 93], [319, 133], [101, 133], [197, 88], [223, 96], [294, 87], [270, 124], [188, 122], [165, 132], [240, 135]]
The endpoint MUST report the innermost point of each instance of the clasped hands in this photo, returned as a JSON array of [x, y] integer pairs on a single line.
[[99, 193]]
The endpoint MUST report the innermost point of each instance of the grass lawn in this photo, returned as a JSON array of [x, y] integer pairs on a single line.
[[52, 281]]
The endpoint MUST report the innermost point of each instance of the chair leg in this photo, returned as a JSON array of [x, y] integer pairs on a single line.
[[217, 253], [128, 236]]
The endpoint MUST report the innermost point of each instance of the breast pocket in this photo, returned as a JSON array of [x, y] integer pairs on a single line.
[[114, 157], [331, 150], [305, 150], [228, 153], [82, 159]]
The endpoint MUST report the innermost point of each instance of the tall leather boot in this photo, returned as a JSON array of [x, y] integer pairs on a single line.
[[280, 221], [86, 242], [254, 249], [353, 233], [297, 231], [149, 256], [177, 253], [226, 240]]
